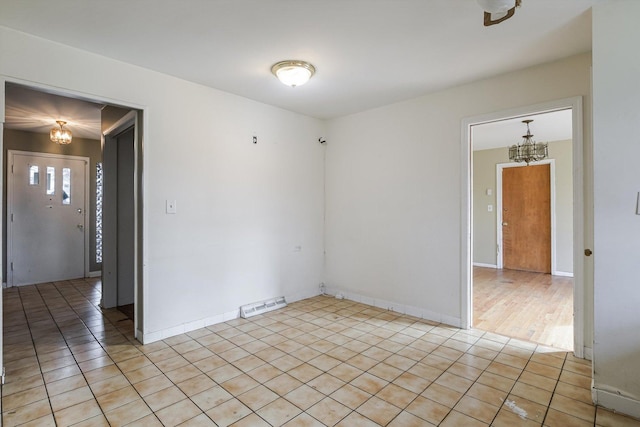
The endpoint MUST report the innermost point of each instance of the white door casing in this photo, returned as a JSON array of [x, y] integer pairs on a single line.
[[118, 218], [47, 237], [122, 274], [579, 213]]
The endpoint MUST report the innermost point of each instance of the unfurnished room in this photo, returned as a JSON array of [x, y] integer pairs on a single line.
[[320, 213]]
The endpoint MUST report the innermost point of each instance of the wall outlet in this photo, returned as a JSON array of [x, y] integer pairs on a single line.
[[172, 207]]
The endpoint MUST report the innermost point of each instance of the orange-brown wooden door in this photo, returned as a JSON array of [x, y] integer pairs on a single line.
[[526, 218]]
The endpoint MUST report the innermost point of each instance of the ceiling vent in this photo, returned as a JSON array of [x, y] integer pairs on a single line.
[[262, 307]]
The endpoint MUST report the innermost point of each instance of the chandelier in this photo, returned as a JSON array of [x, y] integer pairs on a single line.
[[529, 150], [60, 135]]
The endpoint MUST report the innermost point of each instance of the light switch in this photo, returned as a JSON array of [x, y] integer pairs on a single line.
[[489, 208], [172, 208]]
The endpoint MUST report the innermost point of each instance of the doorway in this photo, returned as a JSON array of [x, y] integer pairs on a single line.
[[473, 205], [47, 221], [30, 111], [118, 272]]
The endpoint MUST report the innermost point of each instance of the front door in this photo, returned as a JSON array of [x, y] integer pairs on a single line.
[[526, 218], [45, 217]]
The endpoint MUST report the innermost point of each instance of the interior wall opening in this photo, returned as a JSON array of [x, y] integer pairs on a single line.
[[522, 272], [30, 112]]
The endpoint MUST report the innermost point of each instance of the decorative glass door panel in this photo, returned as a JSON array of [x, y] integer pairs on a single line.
[[46, 218]]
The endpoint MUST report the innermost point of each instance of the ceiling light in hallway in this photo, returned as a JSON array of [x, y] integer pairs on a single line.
[[60, 135], [529, 150]]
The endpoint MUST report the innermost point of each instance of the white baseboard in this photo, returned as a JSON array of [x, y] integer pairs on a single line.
[[481, 264], [562, 273], [616, 402], [397, 307], [150, 337]]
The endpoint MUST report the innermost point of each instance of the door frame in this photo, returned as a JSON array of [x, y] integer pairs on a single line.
[[86, 160], [552, 192], [134, 118], [579, 214], [110, 240], [141, 215]]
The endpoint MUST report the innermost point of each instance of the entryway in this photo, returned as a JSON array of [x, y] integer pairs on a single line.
[[503, 297], [95, 217], [46, 217]]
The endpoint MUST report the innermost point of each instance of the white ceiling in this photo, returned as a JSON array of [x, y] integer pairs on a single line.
[[546, 127], [367, 53]]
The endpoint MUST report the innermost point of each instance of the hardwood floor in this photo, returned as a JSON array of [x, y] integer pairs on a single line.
[[530, 306]]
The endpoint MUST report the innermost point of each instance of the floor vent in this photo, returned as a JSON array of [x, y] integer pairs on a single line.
[[262, 307]]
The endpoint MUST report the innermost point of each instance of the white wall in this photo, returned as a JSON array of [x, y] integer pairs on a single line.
[[484, 222], [393, 189], [242, 208], [616, 91]]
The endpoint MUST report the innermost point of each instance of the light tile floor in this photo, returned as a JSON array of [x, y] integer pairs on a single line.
[[317, 362]]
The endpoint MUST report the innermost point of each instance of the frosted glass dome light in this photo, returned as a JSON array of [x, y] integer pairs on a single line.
[[293, 73], [496, 6]]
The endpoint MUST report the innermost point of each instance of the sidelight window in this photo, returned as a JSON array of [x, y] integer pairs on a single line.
[[99, 184]]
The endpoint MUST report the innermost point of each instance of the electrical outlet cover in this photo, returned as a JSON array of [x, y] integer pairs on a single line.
[[172, 207]]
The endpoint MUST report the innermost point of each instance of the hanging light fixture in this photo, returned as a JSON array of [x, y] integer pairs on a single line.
[[496, 11], [59, 134], [529, 150], [293, 72]]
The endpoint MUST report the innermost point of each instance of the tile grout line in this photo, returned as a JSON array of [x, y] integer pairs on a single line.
[[67, 342], [96, 339], [313, 322], [35, 350]]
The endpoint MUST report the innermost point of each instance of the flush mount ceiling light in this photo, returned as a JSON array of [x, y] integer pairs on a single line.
[[59, 134], [293, 73], [496, 11], [529, 150]]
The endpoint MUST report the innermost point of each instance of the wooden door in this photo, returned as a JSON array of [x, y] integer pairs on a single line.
[[526, 218]]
